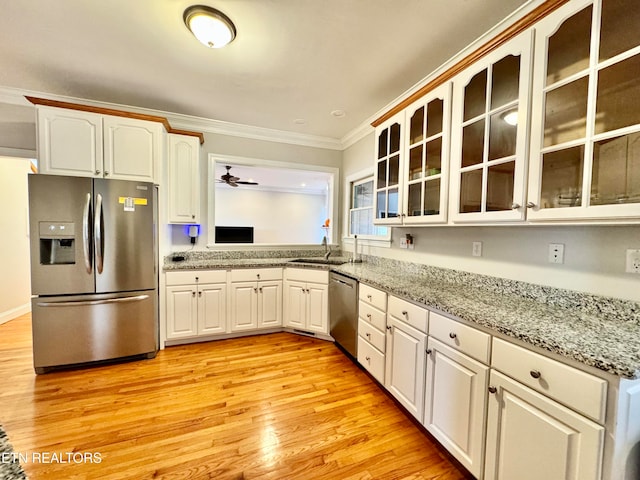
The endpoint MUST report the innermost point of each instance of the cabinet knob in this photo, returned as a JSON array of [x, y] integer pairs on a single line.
[[369, 316], [530, 205], [258, 275], [97, 172], [515, 206], [260, 289], [535, 374], [255, 289], [193, 217], [429, 351], [389, 328], [106, 173], [452, 335], [199, 294], [197, 279], [368, 335], [369, 297], [368, 359], [492, 389], [405, 313], [193, 294]]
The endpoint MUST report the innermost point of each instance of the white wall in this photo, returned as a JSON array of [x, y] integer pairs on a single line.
[[15, 275], [594, 255], [274, 215]]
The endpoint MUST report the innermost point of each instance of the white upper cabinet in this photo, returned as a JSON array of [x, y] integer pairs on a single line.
[[86, 144], [585, 139], [184, 179], [132, 148], [69, 142], [388, 171], [489, 135], [426, 172]]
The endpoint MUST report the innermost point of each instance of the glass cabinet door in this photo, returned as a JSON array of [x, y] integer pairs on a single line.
[[427, 143], [388, 168], [489, 135], [585, 142]]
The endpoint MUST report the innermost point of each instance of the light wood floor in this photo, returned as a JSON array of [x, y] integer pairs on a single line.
[[277, 406]]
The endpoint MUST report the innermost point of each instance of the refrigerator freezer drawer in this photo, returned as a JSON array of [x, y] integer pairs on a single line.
[[79, 329]]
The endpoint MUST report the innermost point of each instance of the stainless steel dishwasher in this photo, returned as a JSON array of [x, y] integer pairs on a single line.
[[343, 312]]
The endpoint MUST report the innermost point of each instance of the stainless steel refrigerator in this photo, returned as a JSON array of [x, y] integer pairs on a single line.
[[94, 271]]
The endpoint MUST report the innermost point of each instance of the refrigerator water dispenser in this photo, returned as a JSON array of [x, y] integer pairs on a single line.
[[57, 243]]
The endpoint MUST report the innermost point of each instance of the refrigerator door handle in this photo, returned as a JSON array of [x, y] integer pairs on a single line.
[[136, 298], [86, 245], [97, 233]]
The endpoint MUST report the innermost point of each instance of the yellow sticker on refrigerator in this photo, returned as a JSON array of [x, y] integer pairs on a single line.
[[131, 202]]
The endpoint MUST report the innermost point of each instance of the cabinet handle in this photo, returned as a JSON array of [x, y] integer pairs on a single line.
[[97, 172], [530, 205], [369, 297], [535, 374], [515, 206], [492, 389], [452, 335], [106, 173]]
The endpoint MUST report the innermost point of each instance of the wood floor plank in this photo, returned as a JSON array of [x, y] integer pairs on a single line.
[[266, 407]]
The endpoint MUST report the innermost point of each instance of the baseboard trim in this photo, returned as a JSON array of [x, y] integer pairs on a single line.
[[14, 312]]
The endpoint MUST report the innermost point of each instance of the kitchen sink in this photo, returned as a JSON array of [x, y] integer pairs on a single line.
[[319, 261]]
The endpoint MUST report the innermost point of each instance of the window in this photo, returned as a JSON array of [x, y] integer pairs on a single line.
[[361, 211]]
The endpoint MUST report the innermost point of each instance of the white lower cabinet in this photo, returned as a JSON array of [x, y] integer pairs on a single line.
[[255, 299], [196, 308], [454, 404], [531, 437], [306, 300], [405, 357]]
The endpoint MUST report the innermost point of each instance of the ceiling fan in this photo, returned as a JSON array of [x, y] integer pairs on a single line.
[[231, 180]]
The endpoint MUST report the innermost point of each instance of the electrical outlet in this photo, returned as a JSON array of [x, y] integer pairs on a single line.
[[476, 249], [403, 242], [633, 261], [556, 253]]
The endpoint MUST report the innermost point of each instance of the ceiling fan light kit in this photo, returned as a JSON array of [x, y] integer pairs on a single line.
[[232, 180], [211, 27]]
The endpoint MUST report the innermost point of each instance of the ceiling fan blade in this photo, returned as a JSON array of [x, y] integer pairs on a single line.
[[247, 183], [233, 184]]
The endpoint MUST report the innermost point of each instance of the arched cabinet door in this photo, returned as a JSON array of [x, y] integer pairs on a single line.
[[489, 133]]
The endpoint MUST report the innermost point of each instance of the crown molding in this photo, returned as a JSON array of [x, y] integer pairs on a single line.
[[16, 96]]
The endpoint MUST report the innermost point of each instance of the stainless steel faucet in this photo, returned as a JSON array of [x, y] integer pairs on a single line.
[[327, 248]]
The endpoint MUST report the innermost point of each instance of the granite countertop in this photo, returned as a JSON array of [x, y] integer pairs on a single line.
[[607, 339], [597, 331]]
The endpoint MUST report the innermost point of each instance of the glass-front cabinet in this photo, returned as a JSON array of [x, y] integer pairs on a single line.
[[585, 138], [389, 161], [489, 135], [427, 164]]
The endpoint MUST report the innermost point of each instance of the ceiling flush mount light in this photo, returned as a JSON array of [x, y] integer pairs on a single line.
[[211, 27]]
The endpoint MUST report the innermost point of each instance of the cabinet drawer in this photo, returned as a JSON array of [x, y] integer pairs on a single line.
[[188, 277], [307, 275], [371, 359], [467, 339], [255, 274], [574, 388], [372, 315], [409, 313], [372, 335], [373, 296]]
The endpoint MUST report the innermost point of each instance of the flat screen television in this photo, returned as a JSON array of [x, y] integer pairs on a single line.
[[234, 234]]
